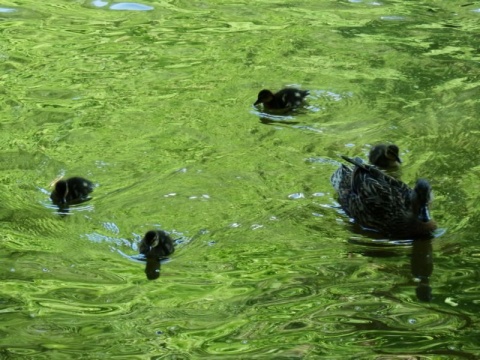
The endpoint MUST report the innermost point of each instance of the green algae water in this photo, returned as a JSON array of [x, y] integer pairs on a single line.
[[152, 101]]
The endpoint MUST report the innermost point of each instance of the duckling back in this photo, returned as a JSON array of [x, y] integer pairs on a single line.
[[285, 99], [71, 191]]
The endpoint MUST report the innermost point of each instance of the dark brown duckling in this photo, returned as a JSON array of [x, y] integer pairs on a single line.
[[380, 202], [385, 156], [74, 190], [156, 244], [285, 99]]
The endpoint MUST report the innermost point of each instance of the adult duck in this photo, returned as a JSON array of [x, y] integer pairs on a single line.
[[285, 99], [385, 156], [380, 202]]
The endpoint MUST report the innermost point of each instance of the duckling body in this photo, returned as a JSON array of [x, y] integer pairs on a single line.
[[71, 191], [156, 244], [380, 202], [285, 99], [385, 156]]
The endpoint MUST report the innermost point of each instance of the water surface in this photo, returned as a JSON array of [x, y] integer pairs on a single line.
[[153, 102]]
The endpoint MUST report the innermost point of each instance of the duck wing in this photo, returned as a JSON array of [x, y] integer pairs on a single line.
[[376, 199]]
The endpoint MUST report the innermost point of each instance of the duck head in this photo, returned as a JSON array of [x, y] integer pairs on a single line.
[[392, 153], [421, 198], [149, 241], [61, 188], [264, 96]]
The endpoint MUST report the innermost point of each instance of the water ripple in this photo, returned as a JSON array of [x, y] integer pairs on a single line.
[[122, 6], [130, 7], [83, 309]]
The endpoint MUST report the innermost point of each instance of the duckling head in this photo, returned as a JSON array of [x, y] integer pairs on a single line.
[[149, 241], [392, 153], [264, 96], [61, 188], [421, 198]]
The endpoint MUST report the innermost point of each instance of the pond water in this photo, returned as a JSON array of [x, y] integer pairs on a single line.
[[152, 101]]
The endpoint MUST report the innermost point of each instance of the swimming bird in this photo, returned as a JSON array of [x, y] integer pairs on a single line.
[[74, 190], [156, 244], [285, 99], [385, 156], [380, 202]]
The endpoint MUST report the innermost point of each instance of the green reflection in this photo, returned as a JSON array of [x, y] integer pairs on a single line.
[[155, 108]]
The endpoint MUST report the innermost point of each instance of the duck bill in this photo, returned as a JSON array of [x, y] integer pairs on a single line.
[[397, 158], [424, 215], [257, 102]]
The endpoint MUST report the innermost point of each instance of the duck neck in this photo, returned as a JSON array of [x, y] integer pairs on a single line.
[[419, 209]]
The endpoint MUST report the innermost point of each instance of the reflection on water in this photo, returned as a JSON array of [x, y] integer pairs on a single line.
[[156, 107], [422, 268], [421, 259]]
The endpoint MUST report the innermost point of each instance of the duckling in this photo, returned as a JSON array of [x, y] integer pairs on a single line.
[[285, 99], [156, 244], [71, 191], [385, 156], [378, 201]]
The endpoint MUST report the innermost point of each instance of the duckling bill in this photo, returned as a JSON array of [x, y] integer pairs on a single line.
[[385, 156], [380, 202], [74, 190], [284, 99]]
